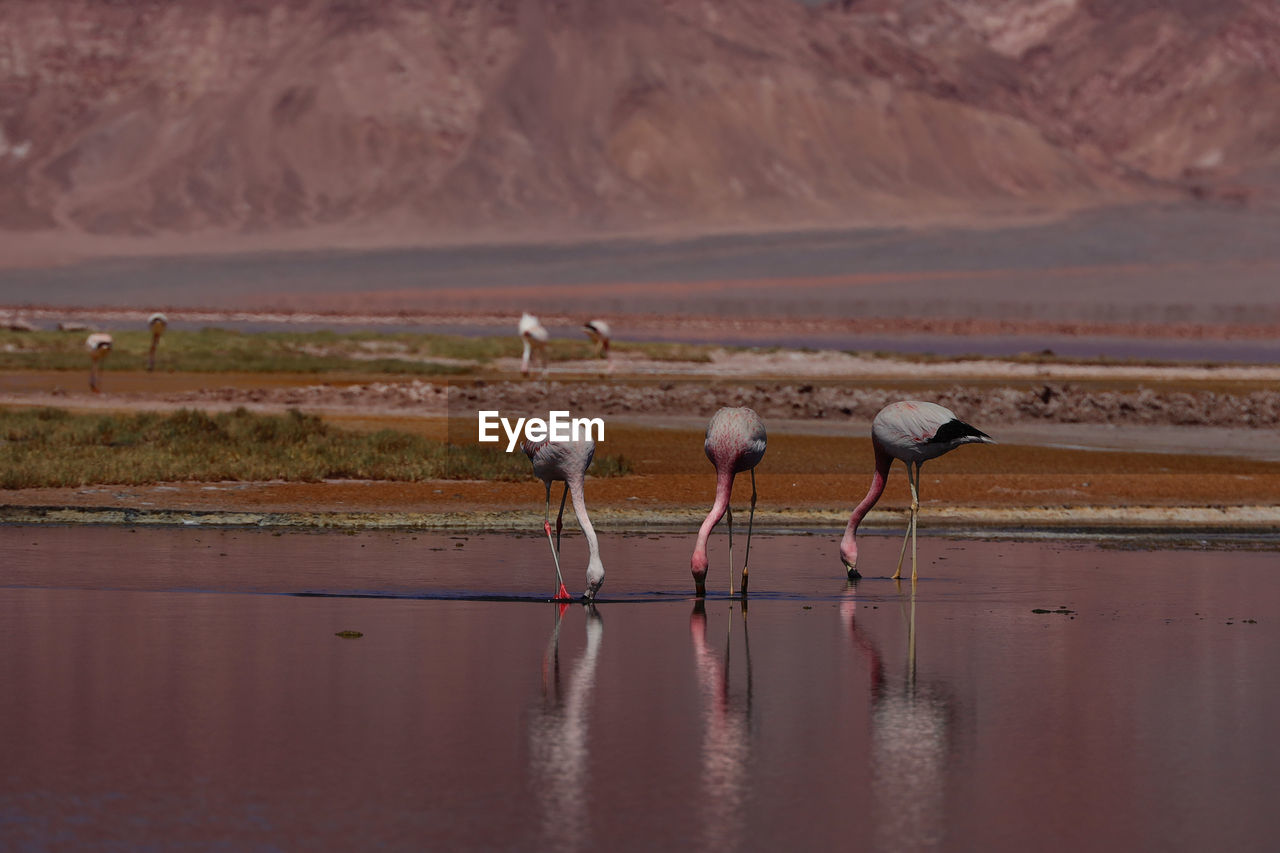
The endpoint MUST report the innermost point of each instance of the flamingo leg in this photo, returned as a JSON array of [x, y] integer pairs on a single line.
[[560, 517], [729, 510], [561, 593], [902, 552], [912, 473], [750, 521], [915, 514]]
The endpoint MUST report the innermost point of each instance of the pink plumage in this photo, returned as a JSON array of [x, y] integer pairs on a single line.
[[735, 442]]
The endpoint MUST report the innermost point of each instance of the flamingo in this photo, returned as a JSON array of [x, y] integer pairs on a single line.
[[735, 442], [568, 461], [99, 346], [914, 432], [535, 338], [157, 322], [598, 331]]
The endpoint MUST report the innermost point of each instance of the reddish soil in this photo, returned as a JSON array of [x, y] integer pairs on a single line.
[[800, 473]]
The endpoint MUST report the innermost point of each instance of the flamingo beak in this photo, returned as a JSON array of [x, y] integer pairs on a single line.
[[851, 568]]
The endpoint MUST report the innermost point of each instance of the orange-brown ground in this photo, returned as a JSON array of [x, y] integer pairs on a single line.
[[803, 476], [799, 473]]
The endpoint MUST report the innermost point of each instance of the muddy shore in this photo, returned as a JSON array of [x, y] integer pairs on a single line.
[[1068, 459]]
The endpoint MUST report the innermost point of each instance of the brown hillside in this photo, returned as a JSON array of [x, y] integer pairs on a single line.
[[428, 118]]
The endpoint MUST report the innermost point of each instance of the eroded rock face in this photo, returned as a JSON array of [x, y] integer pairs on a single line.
[[252, 116]]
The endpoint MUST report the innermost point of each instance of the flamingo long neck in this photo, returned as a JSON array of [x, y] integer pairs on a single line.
[[580, 510], [524, 361], [724, 487], [849, 545]]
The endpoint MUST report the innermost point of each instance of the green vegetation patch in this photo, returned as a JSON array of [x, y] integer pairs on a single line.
[[53, 448], [214, 350]]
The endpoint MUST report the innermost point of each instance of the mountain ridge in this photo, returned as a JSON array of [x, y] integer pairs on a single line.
[[250, 117]]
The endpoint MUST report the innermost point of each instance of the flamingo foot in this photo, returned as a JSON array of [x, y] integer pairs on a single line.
[[563, 595]]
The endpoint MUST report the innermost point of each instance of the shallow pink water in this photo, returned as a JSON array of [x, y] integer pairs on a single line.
[[162, 687]]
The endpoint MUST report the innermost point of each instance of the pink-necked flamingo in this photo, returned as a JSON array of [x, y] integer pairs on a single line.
[[534, 336], [568, 461], [914, 432], [735, 442]]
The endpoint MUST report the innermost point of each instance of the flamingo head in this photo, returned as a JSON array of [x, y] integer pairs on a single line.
[[849, 556], [595, 578], [698, 565]]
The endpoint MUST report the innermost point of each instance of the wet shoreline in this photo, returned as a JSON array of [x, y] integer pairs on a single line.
[[1254, 522]]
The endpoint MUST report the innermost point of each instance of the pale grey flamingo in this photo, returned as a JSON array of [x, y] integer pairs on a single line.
[[99, 346], [535, 337], [568, 461], [735, 442], [157, 322], [914, 432]]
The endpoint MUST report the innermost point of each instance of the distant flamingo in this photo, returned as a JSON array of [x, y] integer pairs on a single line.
[[99, 346], [157, 322], [568, 461], [914, 432], [598, 331], [735, 442], [535, 337]]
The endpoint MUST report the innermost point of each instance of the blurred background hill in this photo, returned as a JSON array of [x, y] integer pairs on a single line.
[[406, 122]]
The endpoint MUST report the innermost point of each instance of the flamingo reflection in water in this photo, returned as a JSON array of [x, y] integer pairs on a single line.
[[910, 734], [559, 743], [726, 744]]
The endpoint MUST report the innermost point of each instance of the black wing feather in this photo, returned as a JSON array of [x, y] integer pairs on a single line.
[[955, 430]]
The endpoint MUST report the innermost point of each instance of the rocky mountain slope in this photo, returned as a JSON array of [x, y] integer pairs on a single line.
[[431, 118]]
